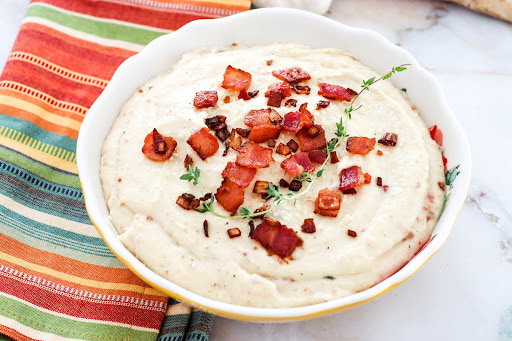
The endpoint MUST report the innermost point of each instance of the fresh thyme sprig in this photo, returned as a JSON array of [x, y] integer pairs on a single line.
[[275, 192]]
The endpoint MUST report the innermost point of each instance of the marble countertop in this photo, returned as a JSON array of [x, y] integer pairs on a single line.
[[465, 291]]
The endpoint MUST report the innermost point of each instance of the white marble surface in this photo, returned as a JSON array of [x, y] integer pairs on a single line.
[[465, 291]]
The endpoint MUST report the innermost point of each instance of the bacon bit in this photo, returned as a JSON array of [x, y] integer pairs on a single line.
[[222, 134], [293, 75], [236, 144], [379, 153], [276, 238], [260, 187], [188, 161], [293, 145], [441, 185], [242, 176], [205, 99], [294, 121], [253, 155], [385, 188], [283, 183], [236, 79], [157, 147], [260, 134], [367, 178], [351, 191], [203, 143], [334, 92], [254, 93], [328, 203], [436, 134], [232, 135], [295, 185], [282, 87], [297, 164], [216, 122], [334, 157], [205, 228], [301, 89], [322, 105], [274, 99], [269, 62], [227, 99], [187, 201], [352, 233], [230, 196], [314, 131], [283, 150], [352, 177], [261, 117], [251, 227], [262, 208], [360, 145], [271, 143], [290, 102], [119, 180], [244, 95], [141, 91], [311, 143], [389, 139], [234, 232], [243, 132], [352, 92], [308, 226], [317, 156], [379, 181], [306, 117], [206, 197]]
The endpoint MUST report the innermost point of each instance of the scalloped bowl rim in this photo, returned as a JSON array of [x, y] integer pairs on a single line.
[[160, 54]]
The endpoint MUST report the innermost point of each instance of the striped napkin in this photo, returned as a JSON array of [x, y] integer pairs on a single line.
[[58, 279]]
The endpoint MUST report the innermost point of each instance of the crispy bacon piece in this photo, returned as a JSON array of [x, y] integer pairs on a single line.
[[308, 226], [360, 145], [157, 147], [352, 177], [253, 94], [261, 117], [260, 134], [271, 143], [274, 99], [283, 149], [293, 75], [216, 122], [352, 233], [244, 95], [297, 164], [260, 187], [242, 176], [205, 99], [252, 155], [436, 134], [230, 196], [301, 89], [234, 232], [236, 79], [293, 145], [308, 143], [282, 87], [283, 183], [290, 102], [203, 143], [328, 203], [276, 238], [332, 91], [389, 139], [187, 201], [236, 144], [317, 156], [242, 132], [351, 191], [188, 162], [334, 157], [295, 185], [294, 121], [322, 105]]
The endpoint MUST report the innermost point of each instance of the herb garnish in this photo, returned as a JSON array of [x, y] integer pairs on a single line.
[[449, 178]]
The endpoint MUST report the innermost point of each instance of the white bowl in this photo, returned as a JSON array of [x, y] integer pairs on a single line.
[[260, 27]]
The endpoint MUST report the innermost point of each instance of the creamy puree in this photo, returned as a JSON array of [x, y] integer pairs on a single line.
[[391, 226]]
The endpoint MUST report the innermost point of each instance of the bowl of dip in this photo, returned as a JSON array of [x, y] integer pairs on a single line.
[[282, 34]]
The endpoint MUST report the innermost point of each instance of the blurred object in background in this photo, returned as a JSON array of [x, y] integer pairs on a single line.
[[317, 6], [498, 8]]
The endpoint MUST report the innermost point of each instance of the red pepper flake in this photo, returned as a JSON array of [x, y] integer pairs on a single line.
[[389, 139], [283, 183], [293, 75], [205, 228], [334, 157], [351, 191], [295, 185], [379, 181], [141, 91], [308, 226], [157, 147], [227, 99], [385, 188], [274, 99], [119, 180], [188, 161], [283, 150], [436, 134], [234, 232], [205, 99], [301, 89], [290, 102], [269, 62], [328, 203], [187, 201], [360, 145], [379, 153], [322, 105], [352, 233], [251, 226]]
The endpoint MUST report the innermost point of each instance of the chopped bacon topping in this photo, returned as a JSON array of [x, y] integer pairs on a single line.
[[271, 143], [254, 93], [276, 238], [290, 102], [294, 121], [234, 232], [242, 132], [317, 156], [332, 91], [282, 87], [283, 149], [274, 99], [283, 183], [236, 144], [253, 155], [351, 191], [389, 139], [334, 157], [260, 187], [293, 145], [244, 95], [295, 185], [260, 134], [301, 89], [187, 201], [308, 226], [236, 79], [203, 143], [297, 164], [242, 176], [205, 99], [261, 117], [436, 134], [188, 162], [293, 75], [230, 196], [328, 203], [360, 145], [216, 122], [352, 177], [322, 105], [308, 143], [157, 147], [352, 233]]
